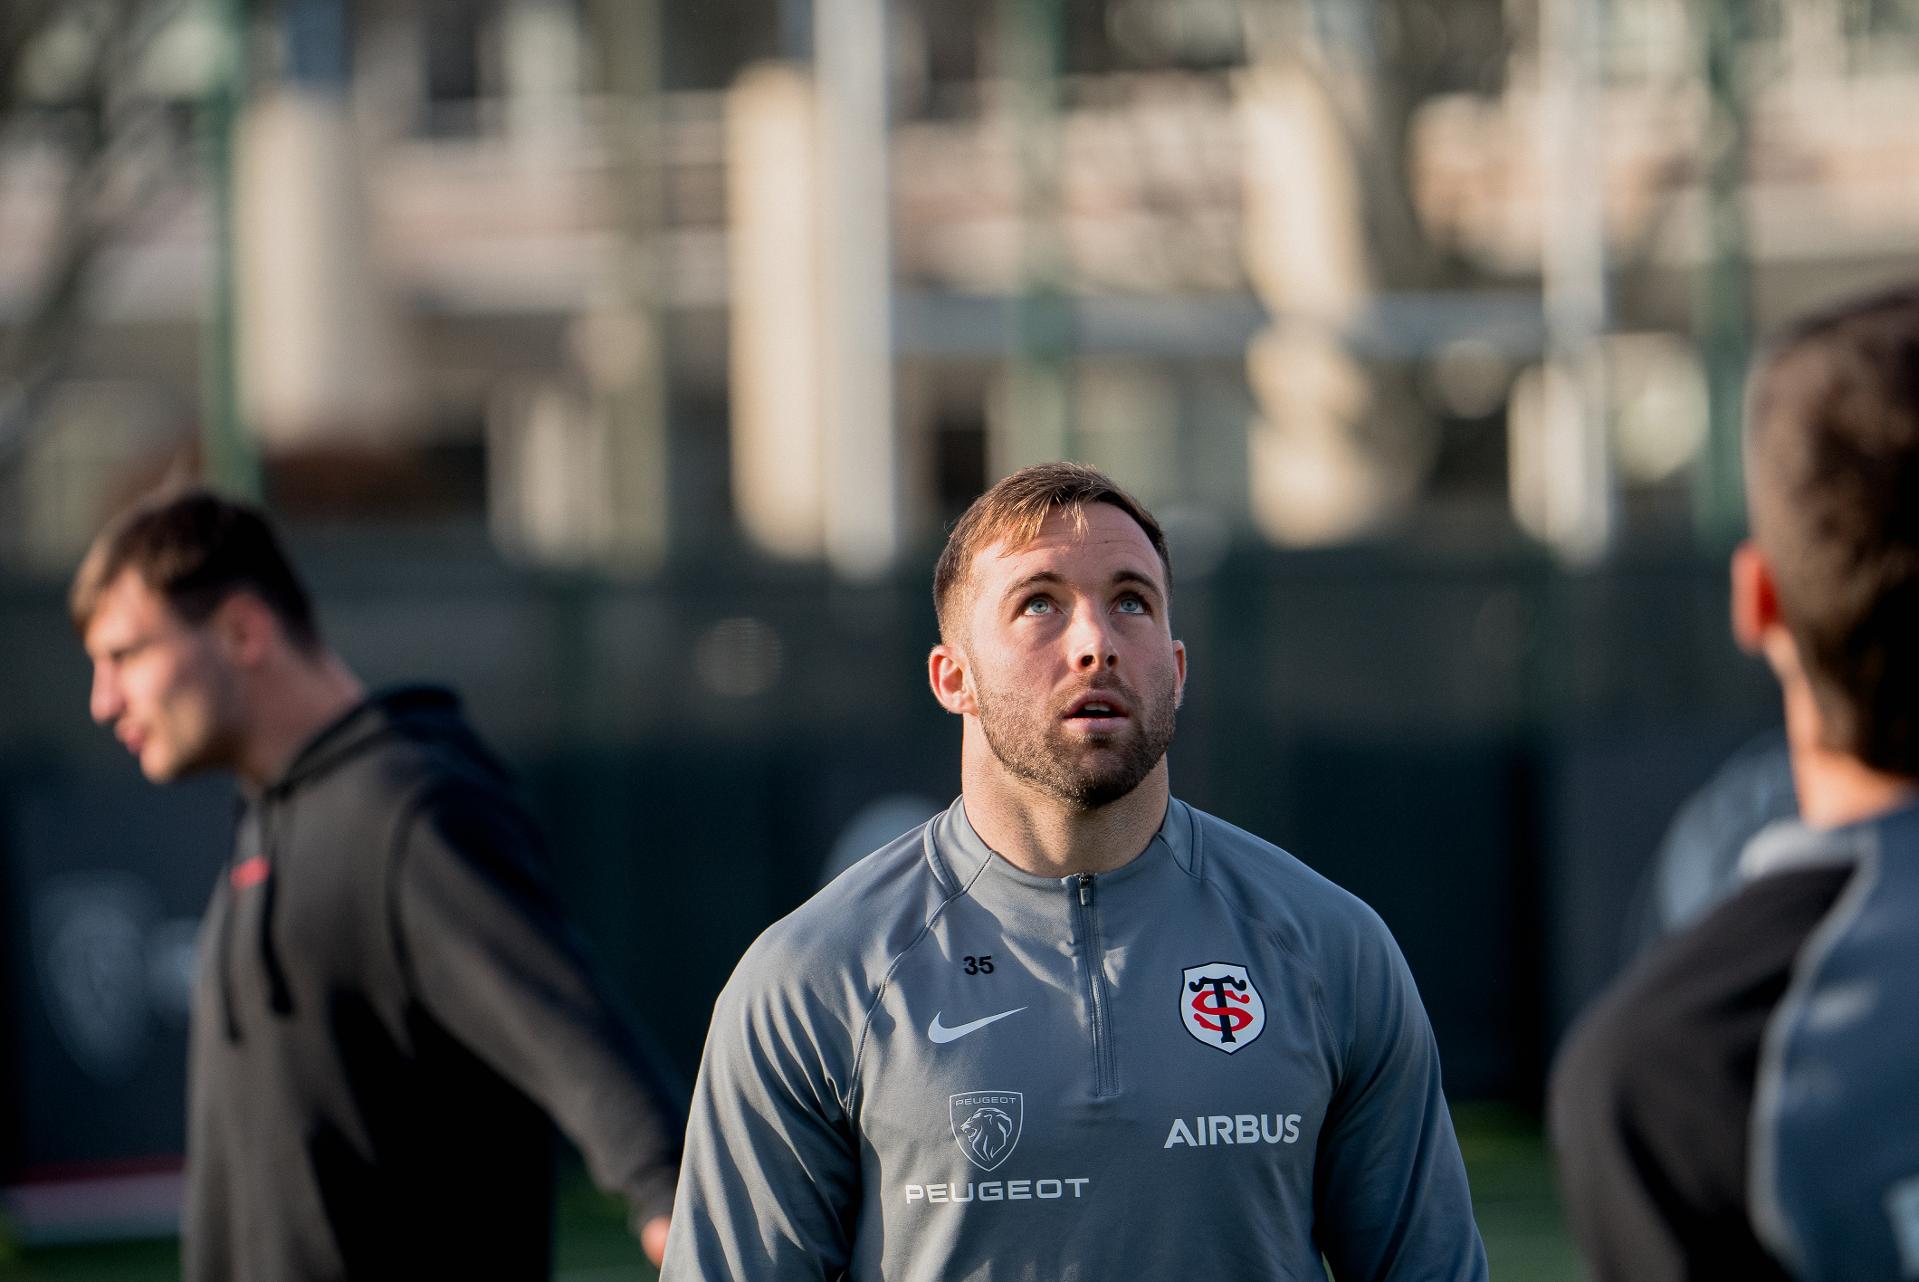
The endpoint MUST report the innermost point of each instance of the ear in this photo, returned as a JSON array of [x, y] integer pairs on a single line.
[[1755, 599], [946, 672], [245, 628], [1179, 663]]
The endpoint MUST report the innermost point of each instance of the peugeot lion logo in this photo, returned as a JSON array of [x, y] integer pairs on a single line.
[[986, 1125]]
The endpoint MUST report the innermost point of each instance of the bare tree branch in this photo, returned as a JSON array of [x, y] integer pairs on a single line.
[[118, 162]]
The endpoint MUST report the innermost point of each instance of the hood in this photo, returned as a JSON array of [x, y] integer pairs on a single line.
[[419, 712]]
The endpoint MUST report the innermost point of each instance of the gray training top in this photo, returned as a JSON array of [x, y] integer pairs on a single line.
[[1209, 1063]]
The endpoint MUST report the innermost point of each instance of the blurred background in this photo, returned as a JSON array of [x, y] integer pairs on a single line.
[[622, 364]]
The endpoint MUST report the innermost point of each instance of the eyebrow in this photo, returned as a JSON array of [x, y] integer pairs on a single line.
[[1135, 577], [1020, 585]]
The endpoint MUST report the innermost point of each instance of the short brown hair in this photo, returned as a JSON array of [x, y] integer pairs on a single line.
[[1013, 511], [1832, 476], [195, 549]]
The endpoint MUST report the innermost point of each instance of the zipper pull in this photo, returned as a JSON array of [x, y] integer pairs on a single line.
[[1085, 889]]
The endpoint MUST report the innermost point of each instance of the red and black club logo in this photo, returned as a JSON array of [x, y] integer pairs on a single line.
[[1220, 1007]]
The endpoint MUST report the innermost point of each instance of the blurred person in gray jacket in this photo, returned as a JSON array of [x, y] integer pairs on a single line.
[[1740, 1102], [1699, 860]]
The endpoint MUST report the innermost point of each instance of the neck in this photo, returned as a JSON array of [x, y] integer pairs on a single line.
[[1834, 788], [1040, 834], [292, 700]]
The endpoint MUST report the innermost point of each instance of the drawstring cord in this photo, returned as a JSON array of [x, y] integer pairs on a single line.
[[264, 839], [223, 952], [279, 992]]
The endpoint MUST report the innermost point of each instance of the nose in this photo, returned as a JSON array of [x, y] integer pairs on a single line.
[[104, 701], [1092, 642]]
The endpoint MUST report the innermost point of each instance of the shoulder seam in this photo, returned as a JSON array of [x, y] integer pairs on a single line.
[[1767, 1215], [410, 803], [1317, 988], [848, 1105], [1196, 831]]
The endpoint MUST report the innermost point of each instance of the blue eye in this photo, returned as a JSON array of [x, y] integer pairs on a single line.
[[1130, 604], [1037, 605]]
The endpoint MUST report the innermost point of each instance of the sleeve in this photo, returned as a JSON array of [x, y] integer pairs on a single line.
[[769, 1186], [492, 957], [1651, 1098], [1634, 1155], [1389, 1187]]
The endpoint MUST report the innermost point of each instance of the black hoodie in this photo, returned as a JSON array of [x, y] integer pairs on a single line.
[[390, 1006]]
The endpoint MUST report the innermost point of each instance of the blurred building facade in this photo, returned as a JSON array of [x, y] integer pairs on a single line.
[[634, 284]]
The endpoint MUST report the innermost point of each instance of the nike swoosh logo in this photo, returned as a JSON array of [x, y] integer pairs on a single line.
[[941, 1033]]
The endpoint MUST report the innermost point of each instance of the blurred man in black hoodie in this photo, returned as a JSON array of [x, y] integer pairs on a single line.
[[389, 1004]]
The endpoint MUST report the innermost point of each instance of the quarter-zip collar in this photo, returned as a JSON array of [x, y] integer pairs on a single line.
[[962, 859], [1076, 918], [377, 714]]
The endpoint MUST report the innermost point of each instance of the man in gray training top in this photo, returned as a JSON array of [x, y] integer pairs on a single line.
[[1070, 1028]]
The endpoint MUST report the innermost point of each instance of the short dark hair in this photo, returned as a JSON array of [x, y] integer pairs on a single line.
[[196, 548], [1013, 511], [1832, 478]]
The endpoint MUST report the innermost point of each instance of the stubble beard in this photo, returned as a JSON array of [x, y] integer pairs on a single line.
[[207, 734], [199, 752], [1033, 745]]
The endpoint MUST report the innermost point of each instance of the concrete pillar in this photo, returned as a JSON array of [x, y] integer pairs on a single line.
[[322, 349], [816, 452], [1324, 464], [1562, 481], [861, 470], [776, 348]]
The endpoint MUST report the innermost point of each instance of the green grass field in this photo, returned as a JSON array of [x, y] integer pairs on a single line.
[[1513, 1195], [593, 1246]]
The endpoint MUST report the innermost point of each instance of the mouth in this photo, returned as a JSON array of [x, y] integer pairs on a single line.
[[1097, 712]]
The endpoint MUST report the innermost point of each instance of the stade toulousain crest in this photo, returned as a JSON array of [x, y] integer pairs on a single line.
[[986, 1125], [1220, 1007]]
